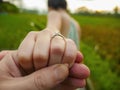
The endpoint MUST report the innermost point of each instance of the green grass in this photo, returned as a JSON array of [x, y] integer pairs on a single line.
[[102, 76], [102, 32], [107, 21], [13, 28]]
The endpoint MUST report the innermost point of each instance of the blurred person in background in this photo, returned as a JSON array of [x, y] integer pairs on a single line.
[[59, 19]]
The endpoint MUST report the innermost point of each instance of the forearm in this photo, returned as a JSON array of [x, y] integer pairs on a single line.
[[52, 29], [54, 21]]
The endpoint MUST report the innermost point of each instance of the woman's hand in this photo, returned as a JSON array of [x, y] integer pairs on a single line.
[[41, 49]]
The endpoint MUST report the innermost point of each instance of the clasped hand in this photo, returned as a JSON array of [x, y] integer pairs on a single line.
[[42, 63]]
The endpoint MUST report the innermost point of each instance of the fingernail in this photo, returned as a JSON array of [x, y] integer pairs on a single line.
[[61, 72]]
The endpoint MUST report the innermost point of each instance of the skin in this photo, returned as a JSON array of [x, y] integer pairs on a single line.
[[33, 67], [43, 64], [60, 20]]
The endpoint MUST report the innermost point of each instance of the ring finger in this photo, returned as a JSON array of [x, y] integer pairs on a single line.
[[57, 50]]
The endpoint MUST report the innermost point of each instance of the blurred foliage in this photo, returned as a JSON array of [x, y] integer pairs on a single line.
[[103, 33], [102, 76], [86, 11], [99, 36], [7, 7], [116, 10], [13, 28], [1, 1]]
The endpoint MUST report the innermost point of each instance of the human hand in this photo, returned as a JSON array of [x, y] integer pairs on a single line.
[[41, 49], [78, 73], [25, 53], [11, 77], [3, 53]]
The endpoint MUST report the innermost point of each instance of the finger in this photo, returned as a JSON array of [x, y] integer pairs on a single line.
[[41, 50], [70, 53], [79, 71], [3, 53], [8, 65], [57, 49], [76, 83], [25, 52], [79, 57], [46, 78], [64, 87]]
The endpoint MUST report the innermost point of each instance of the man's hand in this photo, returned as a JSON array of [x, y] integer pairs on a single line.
[[43, 79]]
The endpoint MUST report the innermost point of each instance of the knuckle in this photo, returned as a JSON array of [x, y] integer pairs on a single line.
[[39, 57], [58, 45], [23, 58], [72, 46], [70, 41], [31, 33], [57, 49]]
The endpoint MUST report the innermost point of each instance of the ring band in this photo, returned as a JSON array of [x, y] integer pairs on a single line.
[[58, 34]]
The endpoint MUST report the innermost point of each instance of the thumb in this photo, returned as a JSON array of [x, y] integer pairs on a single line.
[[46, 78]]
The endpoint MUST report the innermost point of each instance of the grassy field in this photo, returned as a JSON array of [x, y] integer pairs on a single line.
[[13, 28], [103, 34], [99, 44]]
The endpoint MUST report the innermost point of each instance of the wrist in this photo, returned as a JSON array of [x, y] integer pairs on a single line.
[[52, 29]]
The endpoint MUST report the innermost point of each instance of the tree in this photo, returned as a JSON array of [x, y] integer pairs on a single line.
[[1, 1], [83, 10], [116, 10]]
